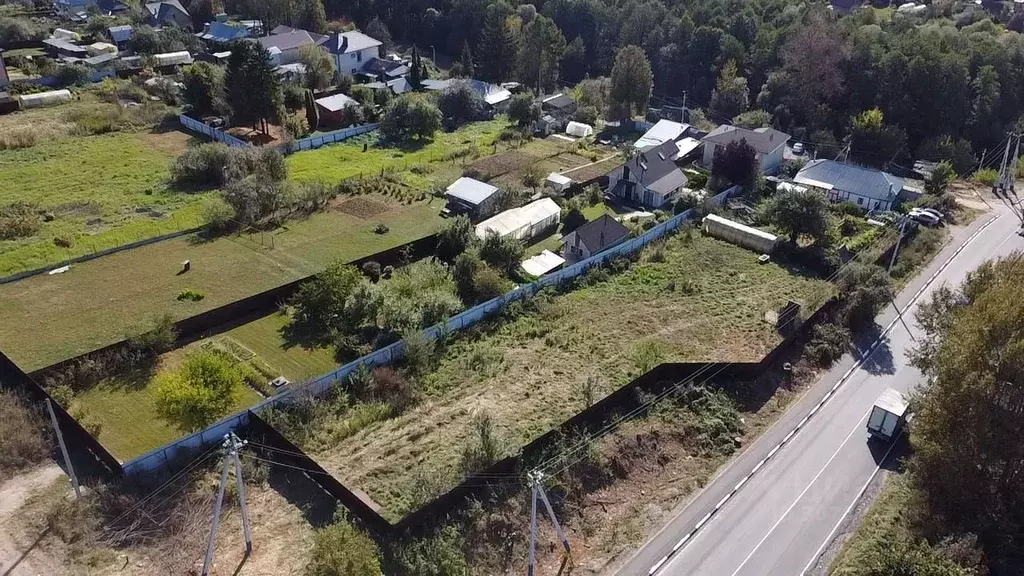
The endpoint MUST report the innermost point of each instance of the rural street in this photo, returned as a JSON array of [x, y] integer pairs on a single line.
[[775, 507]]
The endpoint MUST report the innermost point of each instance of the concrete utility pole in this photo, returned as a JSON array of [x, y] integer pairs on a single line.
[[892, 260], [537, 487], [232, 445], [64, 449], [682, 113], [1000, 185]]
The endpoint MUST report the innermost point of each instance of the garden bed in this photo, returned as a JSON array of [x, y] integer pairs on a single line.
[[696, 299]]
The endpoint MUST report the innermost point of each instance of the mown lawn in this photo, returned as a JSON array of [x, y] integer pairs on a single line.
[[102, 191], [696, 300], [50, 318], [263, 336]]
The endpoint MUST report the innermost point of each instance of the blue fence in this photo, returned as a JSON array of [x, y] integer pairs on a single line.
[[392, 353], [329, 138], [218, 135]]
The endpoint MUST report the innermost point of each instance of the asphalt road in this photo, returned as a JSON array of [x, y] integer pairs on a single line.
[[777, 505]]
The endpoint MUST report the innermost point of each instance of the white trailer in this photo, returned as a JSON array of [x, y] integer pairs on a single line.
[[888, 415]]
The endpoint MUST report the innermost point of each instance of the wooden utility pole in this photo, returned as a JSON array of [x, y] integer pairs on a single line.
[[231, 446], [537, 488], [64, 449]]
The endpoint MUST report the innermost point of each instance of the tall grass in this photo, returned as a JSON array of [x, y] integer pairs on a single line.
[[22, 440]]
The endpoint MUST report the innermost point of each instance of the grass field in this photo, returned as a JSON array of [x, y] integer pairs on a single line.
[[103, 190], [50, 318], [704, 301]]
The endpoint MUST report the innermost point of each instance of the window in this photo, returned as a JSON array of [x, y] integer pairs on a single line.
[[877, 204], [860, 201], [359, 56]]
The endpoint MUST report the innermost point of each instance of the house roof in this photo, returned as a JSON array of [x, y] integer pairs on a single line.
[[163, 9], [287, 41], [491, 93], [663, 131], [283, 29], [381, 65], [336, 102], [867, 182], [764, 140], [432, 84], [120, 33], [470, 190], [557, 101], [101, 58], [655, 169], [398, 85], [600, 233], [221, 32], [346, 42], [65, 46]]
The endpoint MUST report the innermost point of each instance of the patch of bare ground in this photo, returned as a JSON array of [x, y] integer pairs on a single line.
[[362, 208]]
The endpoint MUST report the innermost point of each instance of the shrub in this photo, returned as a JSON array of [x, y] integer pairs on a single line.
[[986, 176], [15, 138], [64, 241], [847, 208], [696, 181], [215, 164], [342, 550], [454, 238], [586, 115], [419, 352], [23, 439], [73, 75], [828, 343], [647, 355], [158, 339], [391, 387], [294, 96], [200, 392], [709, 420], [372, 270], [19, 220], [190, 295], [436, 555], [865, 290], [381, 228], [485, 448], [218, 215], [502, 252], [488, 283]]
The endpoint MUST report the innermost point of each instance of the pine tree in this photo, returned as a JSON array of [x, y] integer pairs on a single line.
[[312, 113], [253, 89], [466, 61], [416, 74], [499, 46]]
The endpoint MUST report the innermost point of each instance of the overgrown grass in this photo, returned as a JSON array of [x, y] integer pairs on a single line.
[[527, 373], [23, 437]]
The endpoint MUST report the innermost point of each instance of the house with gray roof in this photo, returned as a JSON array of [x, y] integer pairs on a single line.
[[284, 48], [866, 187], [223, 33], [168, 12], [650, 179], [595, 236], [120, 34], [352, 51], [768, 143]]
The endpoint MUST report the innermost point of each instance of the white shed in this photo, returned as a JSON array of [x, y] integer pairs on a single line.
[[578, 129], [522, 223], [43, 99], [557, 182], [740, 234], [542, 263]]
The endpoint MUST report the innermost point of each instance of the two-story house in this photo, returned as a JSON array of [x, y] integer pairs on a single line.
[[650, 179], [352, 51]]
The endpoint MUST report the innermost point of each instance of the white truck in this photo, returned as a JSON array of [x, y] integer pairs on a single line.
[[888, 415]]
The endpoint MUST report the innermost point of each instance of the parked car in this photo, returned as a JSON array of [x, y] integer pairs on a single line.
[[924, 218], [931, 211], [798, 148]]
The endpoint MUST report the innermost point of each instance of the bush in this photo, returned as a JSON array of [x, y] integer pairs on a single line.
[[696, 181], [485, 448], [64, 241], [73, 75], [419, 353], [454, 238], [987, 176], [573, 220], [216, 164], [586, 115], [828, 343], [200, 392], [294, 97], [391, 387], [218, 215], [865, 289], [342, 550], [190, 295], [23, 437], [502, 252], [381, 228], [372, 270], [19, 220], [158, 339], [439, 554]]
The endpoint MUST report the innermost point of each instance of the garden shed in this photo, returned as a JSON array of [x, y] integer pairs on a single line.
[[471, 197], [542, 263], [522, 223], [557, 182], [740, 234]]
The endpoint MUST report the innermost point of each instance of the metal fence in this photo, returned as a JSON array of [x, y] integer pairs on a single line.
[[392, 353], [217, 135], [314, 142]]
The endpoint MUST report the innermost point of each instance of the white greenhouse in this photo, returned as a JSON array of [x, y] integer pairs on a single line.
[[578, 129], [522, 223], [172, 59], [43, 99], [740, 234]]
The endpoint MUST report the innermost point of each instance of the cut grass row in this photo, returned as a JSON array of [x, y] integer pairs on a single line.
[[703, 302]]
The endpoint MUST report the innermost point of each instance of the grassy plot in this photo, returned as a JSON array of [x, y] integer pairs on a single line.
[[694, 299], [99, 191], [50, 318]]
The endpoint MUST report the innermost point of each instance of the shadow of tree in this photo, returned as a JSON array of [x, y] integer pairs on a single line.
[[879, 361]]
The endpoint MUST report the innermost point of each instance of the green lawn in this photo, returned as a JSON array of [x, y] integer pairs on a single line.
[[263, 336], [102, 191], [50, 318], [129, 423]]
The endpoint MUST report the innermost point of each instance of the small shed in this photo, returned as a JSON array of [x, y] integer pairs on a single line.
[[522, 223], [120, 34], [97, 48], [578, 129], [739, 234], [471, 197], [332, 108], [542, 263], [557, 182], [44, 99]]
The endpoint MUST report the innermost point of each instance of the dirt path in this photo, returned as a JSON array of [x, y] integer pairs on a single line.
[[13, 543]]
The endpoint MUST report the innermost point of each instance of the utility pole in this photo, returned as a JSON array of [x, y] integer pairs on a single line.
[[682, 113], [231, 446], [535, 478], [64, 449], [892, 260], [1000, 184]]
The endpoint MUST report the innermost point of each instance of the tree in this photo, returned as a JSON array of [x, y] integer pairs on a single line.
[[573, 220], [941, 177], [969, 421], [736, 162], [342, 550], [523, 109], [310, 16], [453, 239], [410, 116], [416, 71], [463, 67], [320, 304], [252, 87], [204, 88], [631, 81], [731, 94], [499, 45], [540, 51], [319, 67], [201, 12], [460, 102], [865, 290], [377, 29], [200, 392], [502, 252], [799, 213], [312, 112], [872, 141], [752, 119], [574, 61]]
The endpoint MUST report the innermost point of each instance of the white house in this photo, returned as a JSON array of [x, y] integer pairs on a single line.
[[352, 51], [595, 236], [650, 179], [868, 188], [768, 143]]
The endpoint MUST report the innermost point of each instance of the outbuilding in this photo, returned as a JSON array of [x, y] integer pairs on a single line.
[[866, 187], [739, 234], [471, 197], [522, 223], [542, 263], [557, 182], [332, 109], [44, 99], [578, 129]]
